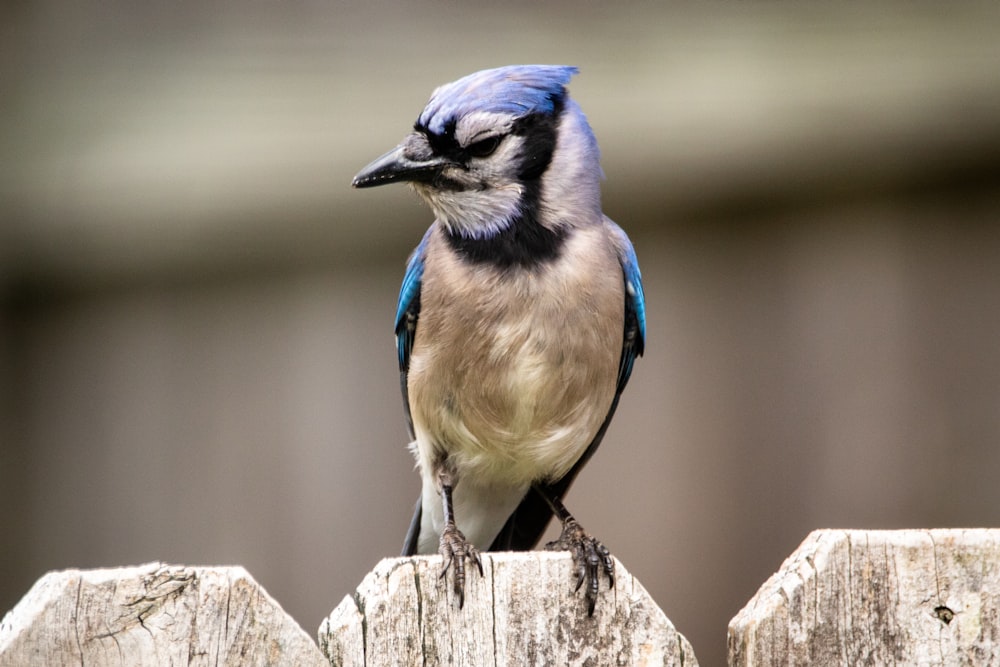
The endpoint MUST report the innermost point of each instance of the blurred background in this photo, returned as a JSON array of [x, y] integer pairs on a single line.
[[196, 352]]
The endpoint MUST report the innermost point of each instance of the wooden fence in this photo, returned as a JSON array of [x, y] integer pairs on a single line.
[[914, 597]]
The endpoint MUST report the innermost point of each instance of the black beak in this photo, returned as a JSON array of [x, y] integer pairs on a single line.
[[394, 166]]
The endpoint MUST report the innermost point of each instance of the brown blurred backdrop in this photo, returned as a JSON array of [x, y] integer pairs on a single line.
[[196, 356]]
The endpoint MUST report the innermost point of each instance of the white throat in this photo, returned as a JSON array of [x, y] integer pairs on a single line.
[[474, 213]]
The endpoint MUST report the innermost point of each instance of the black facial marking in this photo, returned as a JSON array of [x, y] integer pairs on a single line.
[[539, 132], [525, 242], [484, 147]]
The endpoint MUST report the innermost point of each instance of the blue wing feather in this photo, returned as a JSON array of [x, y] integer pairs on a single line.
[[634, 340], [407, 314], [408, 306]]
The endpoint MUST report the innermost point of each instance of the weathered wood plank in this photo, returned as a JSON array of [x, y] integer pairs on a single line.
[[152, 614], [852, 597], [521, 612]]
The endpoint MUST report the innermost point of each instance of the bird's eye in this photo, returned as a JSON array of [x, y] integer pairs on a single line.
[[484, 147]]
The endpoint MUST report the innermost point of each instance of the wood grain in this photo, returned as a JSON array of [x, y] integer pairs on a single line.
[[523, 611], [853, 597], [152, 614]]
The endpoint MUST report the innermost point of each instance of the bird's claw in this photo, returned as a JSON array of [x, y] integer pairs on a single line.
[[454, 548], [590, 557]]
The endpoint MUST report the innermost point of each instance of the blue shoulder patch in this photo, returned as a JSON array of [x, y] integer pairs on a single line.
[[408, 305], [517, 90], [633, 286], [634, 340]]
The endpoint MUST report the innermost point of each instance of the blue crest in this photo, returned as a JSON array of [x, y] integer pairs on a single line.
[[517, 90]]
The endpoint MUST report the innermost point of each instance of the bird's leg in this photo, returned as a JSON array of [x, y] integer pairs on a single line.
[[590, 557], [453, 547]]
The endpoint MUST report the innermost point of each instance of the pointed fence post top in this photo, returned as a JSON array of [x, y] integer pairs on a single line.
[[906, 597], [522, 611], [152, 614]]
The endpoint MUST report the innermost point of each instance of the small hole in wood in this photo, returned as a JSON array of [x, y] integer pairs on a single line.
[[944, 614]]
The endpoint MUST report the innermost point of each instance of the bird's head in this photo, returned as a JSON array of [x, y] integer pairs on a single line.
[[496, 146]]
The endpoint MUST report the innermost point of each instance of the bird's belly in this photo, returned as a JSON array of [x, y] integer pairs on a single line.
[[521, 403]]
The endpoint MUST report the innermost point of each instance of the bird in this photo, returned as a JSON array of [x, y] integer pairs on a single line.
[[520, 316]]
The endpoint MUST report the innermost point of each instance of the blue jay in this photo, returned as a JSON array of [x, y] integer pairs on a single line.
[[519, 318]]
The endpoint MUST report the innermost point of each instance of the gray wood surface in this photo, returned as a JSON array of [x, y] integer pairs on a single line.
[[853, 597], [152, 614], [521, 612]]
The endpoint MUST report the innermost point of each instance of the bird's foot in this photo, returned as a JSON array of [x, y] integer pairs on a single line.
[[590, 558], [454, 548]]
